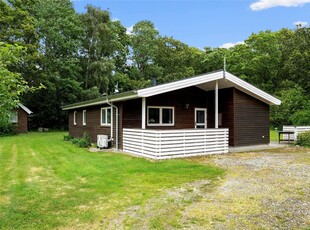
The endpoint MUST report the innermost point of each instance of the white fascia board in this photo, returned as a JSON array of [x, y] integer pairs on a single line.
[[155, 90], [25, 108], [85, 105], [253, 90], [101, 102], [124, 98]]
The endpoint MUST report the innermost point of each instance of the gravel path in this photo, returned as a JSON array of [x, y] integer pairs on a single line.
[[261, 190]]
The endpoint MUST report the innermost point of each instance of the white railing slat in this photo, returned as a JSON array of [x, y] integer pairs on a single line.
[[164, 144]]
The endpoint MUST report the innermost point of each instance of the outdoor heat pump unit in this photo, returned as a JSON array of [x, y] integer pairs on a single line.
[[102, 141]]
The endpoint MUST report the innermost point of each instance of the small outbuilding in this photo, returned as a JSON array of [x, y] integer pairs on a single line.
[[195, 116], [19, 117]]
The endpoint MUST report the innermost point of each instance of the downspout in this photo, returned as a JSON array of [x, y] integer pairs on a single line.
[[116, 123]]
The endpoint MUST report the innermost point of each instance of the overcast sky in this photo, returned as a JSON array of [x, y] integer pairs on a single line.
[[201, 23]]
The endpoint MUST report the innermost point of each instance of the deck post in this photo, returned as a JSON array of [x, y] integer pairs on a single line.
[[216, 105], [143, 113]]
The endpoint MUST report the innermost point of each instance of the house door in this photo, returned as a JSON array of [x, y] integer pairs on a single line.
[[200, 118]]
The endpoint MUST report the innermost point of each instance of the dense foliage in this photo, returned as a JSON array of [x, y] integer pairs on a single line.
[[303, 139], [81, 56]]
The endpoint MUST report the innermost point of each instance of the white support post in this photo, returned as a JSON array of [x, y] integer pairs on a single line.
[[216, 105], [143, 112]]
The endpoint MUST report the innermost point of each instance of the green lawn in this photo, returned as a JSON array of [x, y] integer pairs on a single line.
[[273, 135], [46, 182]]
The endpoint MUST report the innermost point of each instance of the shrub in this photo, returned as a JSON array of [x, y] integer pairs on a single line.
[[8, 129], [67, 138], [75, 141], [301, 117], [303, 139], [83, 142]]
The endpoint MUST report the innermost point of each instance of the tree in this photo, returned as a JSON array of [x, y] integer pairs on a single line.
[[297, 52], [18, 26], [177, 59], [104, 48], [12, 84], [144, 44], [59, 32]]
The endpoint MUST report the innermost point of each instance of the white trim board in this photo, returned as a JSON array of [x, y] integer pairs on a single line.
[[204, 81], [205, 78], [25, 108]]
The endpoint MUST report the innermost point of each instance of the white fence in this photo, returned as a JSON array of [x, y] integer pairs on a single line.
[[295, 129], [163, 144]]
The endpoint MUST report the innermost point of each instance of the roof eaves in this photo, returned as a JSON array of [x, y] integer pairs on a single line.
[[103, 100], [155, 90], [252, 89], [25, 108]]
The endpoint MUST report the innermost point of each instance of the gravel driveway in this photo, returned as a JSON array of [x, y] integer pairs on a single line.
[[260, 190]]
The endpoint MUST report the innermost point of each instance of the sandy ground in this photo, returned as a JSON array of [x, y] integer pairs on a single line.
[[260, 190]]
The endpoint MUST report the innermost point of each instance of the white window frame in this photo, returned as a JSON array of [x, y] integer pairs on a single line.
[[74, 118], [106, 116], [160, 115], [84, 117], [206, 119], [14, 117]]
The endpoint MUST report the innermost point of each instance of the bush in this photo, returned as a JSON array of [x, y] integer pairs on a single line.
[[83, 142], [67, 138], [75, 141], [301, 117], [303, 139], [8, 129]]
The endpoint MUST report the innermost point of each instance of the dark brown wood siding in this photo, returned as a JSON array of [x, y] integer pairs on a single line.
[[251, 119], [93, 126], [184, 118], [132, 111], [226, 109]]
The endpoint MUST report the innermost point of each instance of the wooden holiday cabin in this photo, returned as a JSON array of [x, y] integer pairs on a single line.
[[200, 115], [19, 117]]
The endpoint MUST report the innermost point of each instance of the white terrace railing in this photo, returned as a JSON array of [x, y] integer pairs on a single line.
[[164, 144], [295, 129]]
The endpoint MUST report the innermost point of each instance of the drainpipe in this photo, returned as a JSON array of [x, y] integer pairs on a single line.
[[116, 122]]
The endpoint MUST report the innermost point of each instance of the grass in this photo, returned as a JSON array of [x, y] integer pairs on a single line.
[[49, 183], [274, 135]]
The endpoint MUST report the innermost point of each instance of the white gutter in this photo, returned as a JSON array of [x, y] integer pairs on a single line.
[[116, 123]]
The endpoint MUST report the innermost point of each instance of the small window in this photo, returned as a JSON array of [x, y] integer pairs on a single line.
[[84, 117], [105, 116], [74, 118], [160, 116], [14, 117]]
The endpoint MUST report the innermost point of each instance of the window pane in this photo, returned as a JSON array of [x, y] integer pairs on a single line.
[[103, 116], [201, 117], [153, 115], [108, 116], [14, 117], [74, 117], [84, 117], [167, 116]]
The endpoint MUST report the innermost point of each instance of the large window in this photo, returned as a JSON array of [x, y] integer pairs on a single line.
[[74, 118], [84, 117], [105, 116], [14, 117], [160, 116]]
